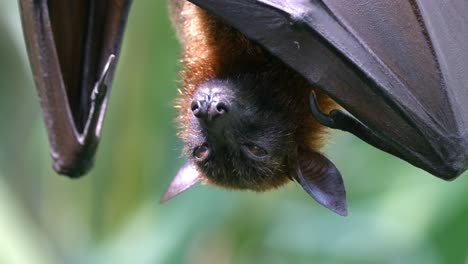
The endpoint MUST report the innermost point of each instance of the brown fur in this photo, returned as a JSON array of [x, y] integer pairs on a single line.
[[212, 49]]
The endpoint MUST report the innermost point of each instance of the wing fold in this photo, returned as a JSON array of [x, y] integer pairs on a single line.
[[71, 45]]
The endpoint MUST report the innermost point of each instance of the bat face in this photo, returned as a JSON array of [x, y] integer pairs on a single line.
[[237, 138]]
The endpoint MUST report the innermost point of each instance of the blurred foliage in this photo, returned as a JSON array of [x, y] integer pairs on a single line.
[[398, 214]]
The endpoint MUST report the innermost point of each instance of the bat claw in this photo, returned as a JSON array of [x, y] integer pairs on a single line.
[[105, 70], [337, 119], [93, 124], [320, 116], [100, 88]]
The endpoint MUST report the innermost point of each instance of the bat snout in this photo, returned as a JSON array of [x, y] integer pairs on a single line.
[[209, 109]]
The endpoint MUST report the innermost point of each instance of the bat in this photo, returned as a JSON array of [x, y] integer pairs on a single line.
[[263, 78], [73, 47]]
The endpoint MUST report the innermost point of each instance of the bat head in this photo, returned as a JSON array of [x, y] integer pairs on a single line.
[[238, 137], [238, 140]]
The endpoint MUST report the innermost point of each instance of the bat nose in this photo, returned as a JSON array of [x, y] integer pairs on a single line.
[[208, 110]]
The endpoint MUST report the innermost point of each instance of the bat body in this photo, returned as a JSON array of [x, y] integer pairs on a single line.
[[399, 67], [245, 115]]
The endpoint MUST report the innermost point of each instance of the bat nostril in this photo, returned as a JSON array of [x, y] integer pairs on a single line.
[[217, 109], [221, 107], [195, 106]]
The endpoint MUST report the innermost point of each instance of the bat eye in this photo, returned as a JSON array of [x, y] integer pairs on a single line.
[[256, 150], [201, 153]]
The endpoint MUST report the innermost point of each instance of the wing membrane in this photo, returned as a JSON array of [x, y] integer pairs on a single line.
[[398, 66]]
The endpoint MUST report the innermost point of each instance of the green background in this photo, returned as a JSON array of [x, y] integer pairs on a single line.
[[398, 214]]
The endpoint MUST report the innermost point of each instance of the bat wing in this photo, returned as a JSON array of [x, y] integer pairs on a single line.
[[399, 67], [72, 48]]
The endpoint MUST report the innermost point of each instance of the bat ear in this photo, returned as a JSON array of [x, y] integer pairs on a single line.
[[186, 177], [321, 179]]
